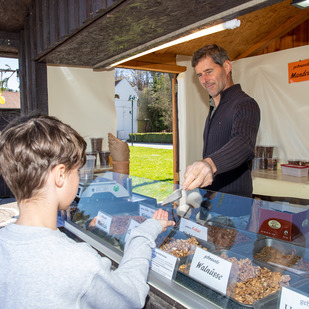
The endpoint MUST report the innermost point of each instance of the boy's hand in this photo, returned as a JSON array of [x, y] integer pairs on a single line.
[[162, 216]]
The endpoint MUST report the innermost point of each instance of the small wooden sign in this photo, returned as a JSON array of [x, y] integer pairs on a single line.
[[298, 71]]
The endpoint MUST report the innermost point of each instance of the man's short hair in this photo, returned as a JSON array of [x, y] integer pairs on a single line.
[[31, 146], [217, 53]]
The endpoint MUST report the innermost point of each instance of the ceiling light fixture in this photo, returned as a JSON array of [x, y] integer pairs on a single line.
[[301, 4], [231, 24]]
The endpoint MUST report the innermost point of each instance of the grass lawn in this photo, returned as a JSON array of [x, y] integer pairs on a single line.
[[151, 170], [151, 163]]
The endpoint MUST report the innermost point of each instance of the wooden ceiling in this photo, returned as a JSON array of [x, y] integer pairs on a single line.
[[132, 26], [257, 30], [137, 25], [12, 15]]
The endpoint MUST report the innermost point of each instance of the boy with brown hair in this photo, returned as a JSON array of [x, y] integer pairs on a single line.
[[40, 266]]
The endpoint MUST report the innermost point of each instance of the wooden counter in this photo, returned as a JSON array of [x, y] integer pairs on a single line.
[[98, 169], [274, 183]]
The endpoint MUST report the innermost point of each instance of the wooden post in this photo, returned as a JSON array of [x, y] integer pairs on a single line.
[[175, 131]]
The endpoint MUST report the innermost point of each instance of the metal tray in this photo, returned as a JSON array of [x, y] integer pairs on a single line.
[[289, 250], [178, 235], [229, 237], [271, 300]]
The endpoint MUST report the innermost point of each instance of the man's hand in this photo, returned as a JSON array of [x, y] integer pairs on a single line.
[[198, 175], [162, 216]]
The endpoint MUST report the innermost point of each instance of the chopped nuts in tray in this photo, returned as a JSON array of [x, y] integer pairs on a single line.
[[119, 223], [289, 259], [223, 237], [181, 247], [253, 282]]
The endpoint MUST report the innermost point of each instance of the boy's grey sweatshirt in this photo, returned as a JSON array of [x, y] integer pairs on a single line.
[[43, 268]]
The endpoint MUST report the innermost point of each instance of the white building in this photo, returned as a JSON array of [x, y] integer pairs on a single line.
[[126, 108]]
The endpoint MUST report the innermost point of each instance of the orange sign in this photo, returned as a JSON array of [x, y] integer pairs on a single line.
[[299, 71]]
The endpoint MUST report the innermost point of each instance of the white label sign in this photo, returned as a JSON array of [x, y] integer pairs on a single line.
[[103, 222], [291, 300], [146, 211], [210, 270], [193, 229], [133, 224], [163, 263]]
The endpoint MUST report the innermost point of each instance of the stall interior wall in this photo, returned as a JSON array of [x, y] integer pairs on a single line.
[[84, 99], [284, 106], [193, 108]]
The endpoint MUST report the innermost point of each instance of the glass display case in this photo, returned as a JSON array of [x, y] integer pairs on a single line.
[[224, 251]]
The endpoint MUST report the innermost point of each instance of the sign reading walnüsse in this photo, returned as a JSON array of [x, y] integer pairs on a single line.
[[298, 71]]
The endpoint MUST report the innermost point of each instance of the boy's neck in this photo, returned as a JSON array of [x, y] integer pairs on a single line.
[[36, 213]]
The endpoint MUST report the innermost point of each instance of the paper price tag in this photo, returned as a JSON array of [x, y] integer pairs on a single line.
[[146, 211], [291, 299], [210, 270], [133, 224], [103, 221], [163, 263], [193, 229]]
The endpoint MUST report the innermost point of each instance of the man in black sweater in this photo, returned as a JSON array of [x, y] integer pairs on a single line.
[[230, 129]]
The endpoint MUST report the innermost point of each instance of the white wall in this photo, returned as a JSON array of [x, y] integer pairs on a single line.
[[284, 107], [192, 111], [84, 99], [124, 109]]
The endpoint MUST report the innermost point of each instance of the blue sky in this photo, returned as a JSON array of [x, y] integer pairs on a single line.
[[13, 63]]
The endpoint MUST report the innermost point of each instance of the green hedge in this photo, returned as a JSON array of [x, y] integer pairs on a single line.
[[152, 138]]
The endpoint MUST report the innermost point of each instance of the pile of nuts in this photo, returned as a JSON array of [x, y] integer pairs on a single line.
[[120, 223], [271, 254], [288, 259], [181, 247], [221, 237], [254, 282]]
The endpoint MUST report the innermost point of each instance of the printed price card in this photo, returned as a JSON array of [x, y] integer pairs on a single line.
[[193, 229], [210, 270], [291, 300], [163, 263], [133, 224], [103, 221], [146, 211]]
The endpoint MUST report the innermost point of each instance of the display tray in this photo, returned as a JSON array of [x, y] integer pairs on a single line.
[[279, 255], [250, 289], [224, 236], [272, 301], [282, 255], [303, 288], [118, 228], [181, 244], [120, 212]]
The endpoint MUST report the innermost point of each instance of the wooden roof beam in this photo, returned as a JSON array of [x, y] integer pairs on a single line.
[[157, 62], [149, 66], [289, 25], [157, 57]]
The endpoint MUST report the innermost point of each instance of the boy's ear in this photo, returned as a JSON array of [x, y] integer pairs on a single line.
[[59, 174]]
